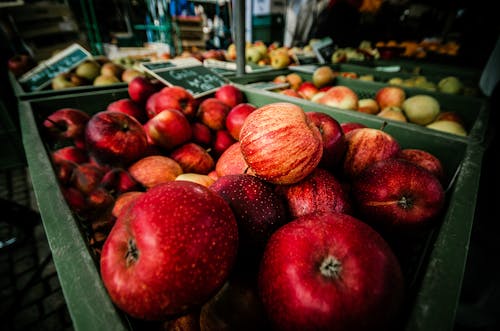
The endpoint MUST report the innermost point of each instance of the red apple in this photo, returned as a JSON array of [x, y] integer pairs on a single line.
[[280, 143], [450, 116], [334, 145], [330, 271], [291, 93], [115, 138], [193, 158], [340, 97], [222, 141], [349, 126], [231, 161], [424, 159], [396, 195], [366, 146], [202, 135], [63, 169], [236, 117], [125, 201], [174, 97], [129, 107], [258, 209], [230, 95], [307, 90], [20, 63], [75, 199], [70, 153], [212, 112], [170, 252], [118, 181], [155, 169], [368, 106], [388, 96], [66, 124], [86, 177], [169, 129], [320, 192]]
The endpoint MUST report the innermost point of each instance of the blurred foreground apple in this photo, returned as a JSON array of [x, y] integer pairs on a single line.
[[170, 252], [280, 143], [330, 272]]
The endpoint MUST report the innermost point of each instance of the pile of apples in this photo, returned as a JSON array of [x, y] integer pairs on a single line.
[[215, 214], [389, 102]]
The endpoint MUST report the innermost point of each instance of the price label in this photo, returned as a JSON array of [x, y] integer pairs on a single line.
[[40, 76]]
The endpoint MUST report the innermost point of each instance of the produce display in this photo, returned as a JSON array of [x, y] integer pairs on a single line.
[[199, 209], [390, 101]]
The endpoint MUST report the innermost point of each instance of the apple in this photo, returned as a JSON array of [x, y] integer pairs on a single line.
[[398, 196], [63, 170], [280, 79], [258, 209], [129, 107], [294, 79], [290, 92], [320, 192], [349, 126], [115, 138], [193, 158], [173, 97], [280, 143], [86, 177], [140, 89], [366, 146], [231, 161], [112, 69], [201, 179], [154, 170], [340, 97], [421, 109], [103, 80], [124, 201], [63, 81], [129, 74], [212, 112], [388, 96], [171, 252], [201, 134], [168, 129], [451, 85], [230, 95], [448, 126], [19, 64], [222, 141], [323, 76], [99, 200], [349, 74], [368, 106], [236, 117], [66, 124], [88, 70], [70, 154], [450, 116], [330, 271], [279, 59], [317, 96], [424, 159], [75, 199], [118, 181], [334, 145], [393, 113], [307, 90]]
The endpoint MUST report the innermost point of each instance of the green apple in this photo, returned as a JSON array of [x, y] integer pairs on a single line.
[[448, 126], [421, 109], [88, 70], [450, 84]]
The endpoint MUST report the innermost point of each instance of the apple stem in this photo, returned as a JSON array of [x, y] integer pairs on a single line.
[[58, 125], [330, 267], [132, 253]]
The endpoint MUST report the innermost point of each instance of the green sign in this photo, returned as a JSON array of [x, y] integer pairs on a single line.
[[64, 61]]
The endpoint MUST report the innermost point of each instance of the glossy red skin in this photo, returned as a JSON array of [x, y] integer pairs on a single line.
[[424, 159], [236, 117], [390, 96], [140, 89], [174, 97], [230, 95], [71, 154], [340, 97], [259, 211], [334, 144], [349, 126], [320, 192], [222, 141], [366, 295], [115, 138], [129, 107], [231, 161], [169, 129], [280, 143], [212, 112], [307, 90], [118, 181], [86, 177], [70, 124], [193, 158], [201, 134], [365, 146], [186, 237], [379, 190]]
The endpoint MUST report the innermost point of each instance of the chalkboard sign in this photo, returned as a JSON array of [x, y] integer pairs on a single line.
[[324, 50], [197, 79], [40, 76]]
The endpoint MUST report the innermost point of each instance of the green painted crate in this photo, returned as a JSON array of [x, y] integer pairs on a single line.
[[435, 267]]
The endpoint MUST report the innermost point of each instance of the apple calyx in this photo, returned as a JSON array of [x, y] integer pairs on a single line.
[[132, 254], [330, 267]]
